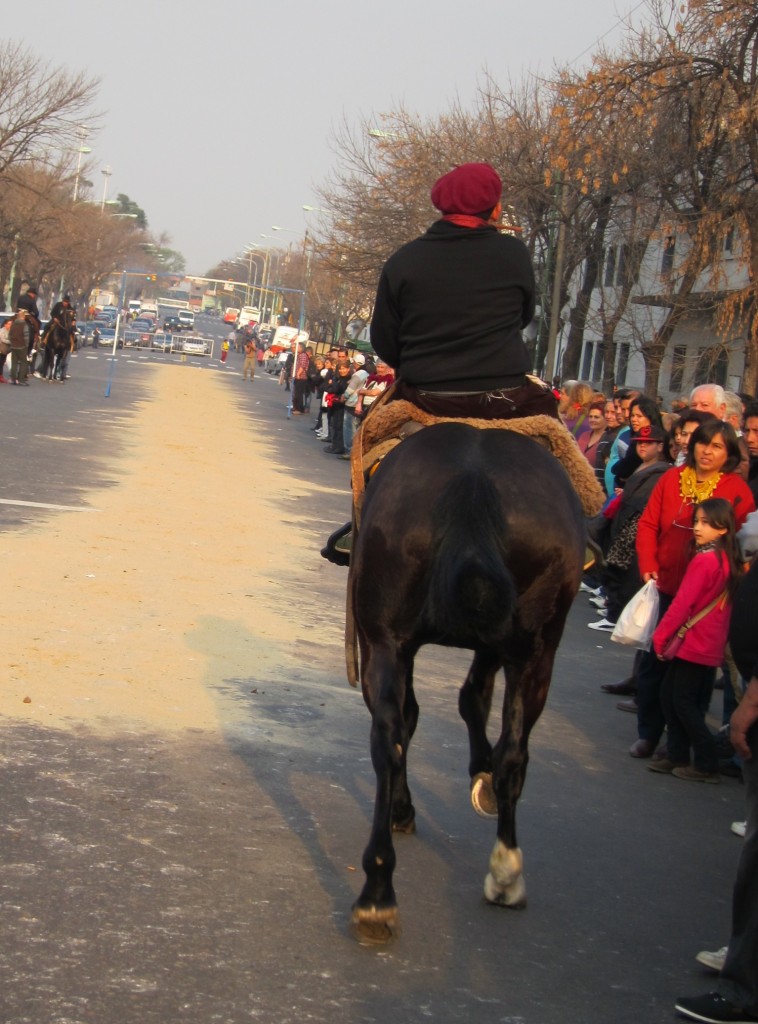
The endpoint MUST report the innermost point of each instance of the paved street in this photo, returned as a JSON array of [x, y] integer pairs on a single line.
[[150, 876]]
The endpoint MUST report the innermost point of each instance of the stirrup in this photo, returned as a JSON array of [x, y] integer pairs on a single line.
[[339, 545]]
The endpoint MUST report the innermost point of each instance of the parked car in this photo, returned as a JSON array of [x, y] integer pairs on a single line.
[[166, 342], [142, 324], [195, 347]]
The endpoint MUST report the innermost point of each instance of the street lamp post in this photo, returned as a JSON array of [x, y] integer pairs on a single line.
[[82, 149], [250, 254], [106, 172]]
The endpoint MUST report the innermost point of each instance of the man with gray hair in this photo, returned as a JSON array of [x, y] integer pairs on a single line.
[[709, 398], [734, 410]]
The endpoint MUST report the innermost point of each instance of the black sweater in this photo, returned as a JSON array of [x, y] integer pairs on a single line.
[[450, 307]]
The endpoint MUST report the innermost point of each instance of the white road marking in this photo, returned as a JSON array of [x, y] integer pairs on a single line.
[[42, 504]]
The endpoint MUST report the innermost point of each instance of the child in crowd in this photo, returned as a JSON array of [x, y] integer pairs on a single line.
[[708, 586]]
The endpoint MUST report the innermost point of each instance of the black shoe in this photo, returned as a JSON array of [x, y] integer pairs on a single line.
[[339, 554], [713, 1009], [626, 688]]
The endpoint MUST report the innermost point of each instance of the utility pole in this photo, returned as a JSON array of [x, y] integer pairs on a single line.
[[555, 302]]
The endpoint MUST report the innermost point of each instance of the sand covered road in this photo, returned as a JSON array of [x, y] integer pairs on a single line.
[[180, 579]]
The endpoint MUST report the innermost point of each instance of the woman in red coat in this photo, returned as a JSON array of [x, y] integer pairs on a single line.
[[664, 536]]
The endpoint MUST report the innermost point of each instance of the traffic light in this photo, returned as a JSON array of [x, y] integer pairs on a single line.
[[151, 277]]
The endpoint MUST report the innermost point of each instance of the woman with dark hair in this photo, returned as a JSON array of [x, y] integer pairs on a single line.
[[664, 536], [689, 421], [643, 412]]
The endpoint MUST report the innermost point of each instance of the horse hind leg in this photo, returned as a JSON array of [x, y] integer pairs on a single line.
[[474, 704], [526, 692], [403, 811], [375, 916]]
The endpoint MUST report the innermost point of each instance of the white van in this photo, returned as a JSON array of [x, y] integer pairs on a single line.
[[148, 308], [186, 318], [135, 305], [248, 315]]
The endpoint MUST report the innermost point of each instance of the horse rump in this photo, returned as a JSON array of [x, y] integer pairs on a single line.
[[470, 591]]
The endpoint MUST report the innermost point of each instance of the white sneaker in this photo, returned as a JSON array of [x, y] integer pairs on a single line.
[[713, 961], [739, 828], [599, 602], [604, 624], [584, 589]]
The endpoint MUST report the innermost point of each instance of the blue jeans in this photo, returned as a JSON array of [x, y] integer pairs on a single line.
[[350, 425]]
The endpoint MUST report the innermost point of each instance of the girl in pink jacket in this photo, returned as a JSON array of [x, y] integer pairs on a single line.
[[712, 575]]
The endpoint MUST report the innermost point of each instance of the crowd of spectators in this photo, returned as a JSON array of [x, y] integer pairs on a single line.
[[339, 386], [657, 466]]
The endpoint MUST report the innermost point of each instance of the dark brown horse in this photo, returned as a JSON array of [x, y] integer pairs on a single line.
[[468, 538]]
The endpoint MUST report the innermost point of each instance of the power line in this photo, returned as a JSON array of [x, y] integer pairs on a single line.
[[621, 21]]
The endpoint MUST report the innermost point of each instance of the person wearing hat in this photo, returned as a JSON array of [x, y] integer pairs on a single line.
[[28, 302], [451, 305], [20, 331], [57, 338]]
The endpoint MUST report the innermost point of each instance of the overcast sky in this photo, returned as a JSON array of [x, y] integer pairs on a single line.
[[218, 118]]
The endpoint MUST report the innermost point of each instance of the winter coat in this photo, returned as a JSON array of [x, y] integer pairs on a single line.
[[664, 533], [706, 577]]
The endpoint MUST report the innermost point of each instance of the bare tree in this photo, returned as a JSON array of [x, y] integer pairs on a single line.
[[39, 105]]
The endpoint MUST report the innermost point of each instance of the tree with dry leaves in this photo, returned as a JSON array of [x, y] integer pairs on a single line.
[[691, 88]]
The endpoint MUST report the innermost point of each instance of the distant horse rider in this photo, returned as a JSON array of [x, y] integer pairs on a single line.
[[57, 338], [28, 302]]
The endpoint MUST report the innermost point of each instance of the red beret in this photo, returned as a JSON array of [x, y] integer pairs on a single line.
[[469, 188]]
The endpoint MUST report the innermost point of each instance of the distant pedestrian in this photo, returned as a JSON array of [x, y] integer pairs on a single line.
[[248, 367], [21, 330]]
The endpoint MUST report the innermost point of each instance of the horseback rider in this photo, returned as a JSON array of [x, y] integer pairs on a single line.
[[28, 302], [57, 336], [449, 311], [451, 305]]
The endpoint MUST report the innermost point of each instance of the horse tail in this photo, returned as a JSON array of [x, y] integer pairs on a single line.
[[471, 593]]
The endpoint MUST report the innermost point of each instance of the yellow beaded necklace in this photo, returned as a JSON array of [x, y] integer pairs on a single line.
[[696, 491]]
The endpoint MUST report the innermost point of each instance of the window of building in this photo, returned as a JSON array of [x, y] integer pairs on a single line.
[[667, 260], [622, 271], [678, 360], [712, 366], [589, 348], [729, 244]]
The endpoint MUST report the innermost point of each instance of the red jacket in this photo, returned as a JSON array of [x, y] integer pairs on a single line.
[[664, 532], [704, 643]]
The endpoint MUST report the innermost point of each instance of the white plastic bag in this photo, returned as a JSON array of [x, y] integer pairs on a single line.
[[748, 537], [637, 621]]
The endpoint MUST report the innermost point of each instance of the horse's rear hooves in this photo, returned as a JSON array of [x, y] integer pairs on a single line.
[[483, 795], [503, 902], [407, 827], [374, 927]]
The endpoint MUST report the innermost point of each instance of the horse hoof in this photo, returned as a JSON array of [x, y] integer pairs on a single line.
[[374, 927], [512, 896], [407, 827], [483, 795]]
